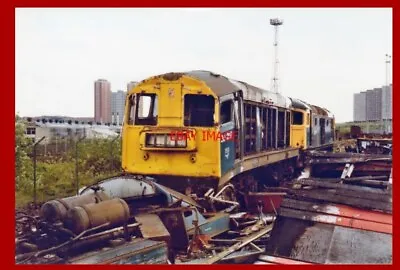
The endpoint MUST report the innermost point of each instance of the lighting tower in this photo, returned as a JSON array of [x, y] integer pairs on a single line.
[[387, 64], [276, 23]]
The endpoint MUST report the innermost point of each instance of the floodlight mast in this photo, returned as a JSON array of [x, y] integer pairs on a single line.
[[384, 120], [276, 23]]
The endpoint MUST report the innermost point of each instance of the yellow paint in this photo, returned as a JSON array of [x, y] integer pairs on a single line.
[[138, 159], [298, 133]]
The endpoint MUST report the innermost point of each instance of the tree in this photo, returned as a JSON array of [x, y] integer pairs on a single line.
[[97, 159], [23, 164]]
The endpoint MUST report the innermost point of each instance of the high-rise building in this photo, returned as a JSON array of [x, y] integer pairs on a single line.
[[102, 101], [118, 107], [387, 102], [130, 85], [373, 105], [359, 112]]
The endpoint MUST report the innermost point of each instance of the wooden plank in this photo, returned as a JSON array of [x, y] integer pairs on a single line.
[[362, 195], [337, 198], [344, 160], [319, 154], [367, 180], [356, 194], [338, 186], [360, 178]]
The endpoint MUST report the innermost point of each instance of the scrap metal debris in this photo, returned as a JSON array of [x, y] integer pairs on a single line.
[[334, 217], [338, 211]]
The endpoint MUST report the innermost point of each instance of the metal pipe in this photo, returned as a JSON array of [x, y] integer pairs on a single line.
[[222, 190], [224, 201], [76, 164], [110, 232], [31, 255], [34, 169]]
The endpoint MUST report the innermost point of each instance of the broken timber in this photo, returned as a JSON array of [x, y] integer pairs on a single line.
[[358, 196], [333, 164], [246, 241]]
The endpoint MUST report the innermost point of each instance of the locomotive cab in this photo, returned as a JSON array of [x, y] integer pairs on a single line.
[[167, 120], [300, 126]]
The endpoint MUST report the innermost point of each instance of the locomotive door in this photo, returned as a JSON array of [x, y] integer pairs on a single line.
[[237, 110], [322, 130], [228, 130]]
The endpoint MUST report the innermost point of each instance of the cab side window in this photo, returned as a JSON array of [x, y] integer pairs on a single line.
[[297, 118], [226, 112], [146, 109]]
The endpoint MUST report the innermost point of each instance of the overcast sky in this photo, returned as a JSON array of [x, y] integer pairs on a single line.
[[325, 55]]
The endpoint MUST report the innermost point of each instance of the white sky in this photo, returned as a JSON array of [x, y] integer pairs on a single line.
[[325, 55]]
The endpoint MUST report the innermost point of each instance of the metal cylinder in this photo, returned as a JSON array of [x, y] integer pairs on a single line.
[[81, 218], [57, 209]]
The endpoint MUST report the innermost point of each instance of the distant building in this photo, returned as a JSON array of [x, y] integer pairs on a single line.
[[53, 129], [102, 101], [373, 105], [359, 112], [109, 106], [387, 102], [130, 85], [118, 107]]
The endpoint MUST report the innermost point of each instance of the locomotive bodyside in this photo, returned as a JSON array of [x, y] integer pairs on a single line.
[[203, 127], [322, 129]]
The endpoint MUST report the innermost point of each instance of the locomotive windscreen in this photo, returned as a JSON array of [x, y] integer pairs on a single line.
[[199, 110]]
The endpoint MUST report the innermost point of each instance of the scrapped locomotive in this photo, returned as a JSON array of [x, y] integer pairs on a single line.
[[270, 131]]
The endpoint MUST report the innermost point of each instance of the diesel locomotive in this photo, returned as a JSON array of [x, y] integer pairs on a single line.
[[198, 129]]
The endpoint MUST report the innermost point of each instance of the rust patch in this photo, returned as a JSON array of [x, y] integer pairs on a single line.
[[172, 76]]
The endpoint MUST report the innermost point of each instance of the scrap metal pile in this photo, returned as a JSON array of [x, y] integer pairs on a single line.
[[365, 145], [127, 220], [338, 211]]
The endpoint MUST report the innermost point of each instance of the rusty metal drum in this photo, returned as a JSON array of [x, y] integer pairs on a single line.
[[57, 209], [84, 217]]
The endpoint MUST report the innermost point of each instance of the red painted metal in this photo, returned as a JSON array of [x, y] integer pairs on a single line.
[[268, 200]]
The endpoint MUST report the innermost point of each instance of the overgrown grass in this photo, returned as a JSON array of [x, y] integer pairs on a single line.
[[55, 175]]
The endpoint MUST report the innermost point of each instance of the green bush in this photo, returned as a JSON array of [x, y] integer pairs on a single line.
[[97, 158]]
